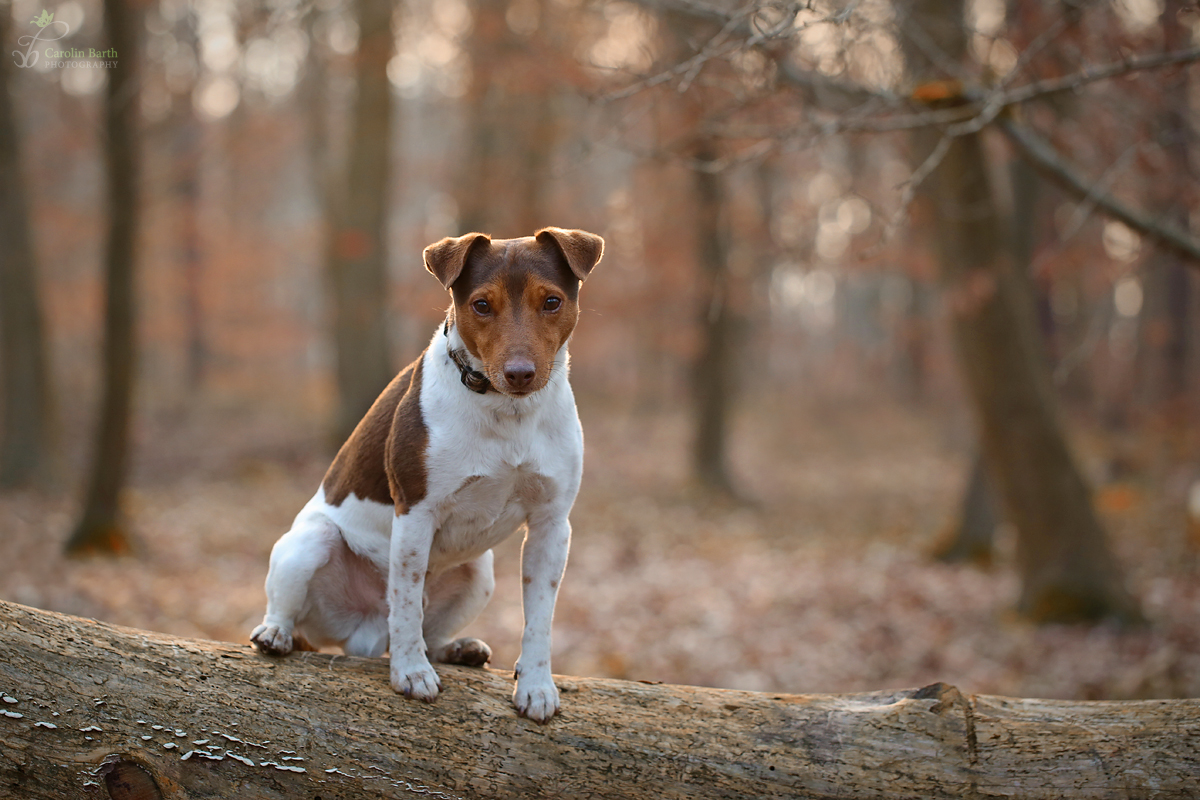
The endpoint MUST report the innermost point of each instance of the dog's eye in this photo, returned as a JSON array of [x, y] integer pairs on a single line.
[[481, 307], [552, 304]]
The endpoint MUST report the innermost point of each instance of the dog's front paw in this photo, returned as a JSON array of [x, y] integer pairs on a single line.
[[419, 682], [536, 698], [272, 640]]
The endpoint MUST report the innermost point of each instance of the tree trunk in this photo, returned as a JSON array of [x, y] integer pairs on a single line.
[[916, 333], [1166, 312], [511, 125], [26, 427], [1068, 571], [474, 176], [712, 377], [975, 532], [537, 151], [187, 153], [100, 529], [358, 270], [93, 710]]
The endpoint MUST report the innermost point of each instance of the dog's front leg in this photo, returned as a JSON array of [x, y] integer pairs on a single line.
[[412, 674], [543, 559]]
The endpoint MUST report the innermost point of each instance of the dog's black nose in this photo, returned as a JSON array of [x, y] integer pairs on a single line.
[[519, 373]]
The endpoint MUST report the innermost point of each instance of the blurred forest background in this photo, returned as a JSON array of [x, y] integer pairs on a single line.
[[890, 373]]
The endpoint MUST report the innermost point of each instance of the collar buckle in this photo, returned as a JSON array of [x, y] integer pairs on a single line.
[[473, 379]]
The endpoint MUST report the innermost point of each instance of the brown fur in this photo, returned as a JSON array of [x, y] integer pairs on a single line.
[[515, 277], [384, 458]]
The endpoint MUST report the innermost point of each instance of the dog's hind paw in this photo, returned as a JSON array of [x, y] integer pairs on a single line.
[[420, 683], [468, 652], [272, 640]]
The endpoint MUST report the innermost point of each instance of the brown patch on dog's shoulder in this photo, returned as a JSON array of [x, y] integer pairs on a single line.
[[406, 446], [534, 488], [363, 466]]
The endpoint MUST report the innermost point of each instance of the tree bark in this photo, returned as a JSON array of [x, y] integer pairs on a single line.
[[712, 373], [358, 270], [474, 175], [93, 710], [26, 428], [100, 529], [187, 151], [1166, 323], [1068, 571], [511, 124], [975, 532], [974, 537]]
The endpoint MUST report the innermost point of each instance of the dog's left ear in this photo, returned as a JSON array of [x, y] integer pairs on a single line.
[[581, 249], [446, 259]]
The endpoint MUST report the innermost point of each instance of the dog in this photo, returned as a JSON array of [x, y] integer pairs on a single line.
[[474, 440]]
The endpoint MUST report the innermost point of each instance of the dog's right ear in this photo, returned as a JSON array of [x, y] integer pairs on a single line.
[[445, 259]]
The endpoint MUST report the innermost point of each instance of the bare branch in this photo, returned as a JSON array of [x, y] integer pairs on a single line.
[[1079, 355], [983, 104], [1104, 72], [1040, 43], [931, 162], [716, 47], [1042, 155], [831, 94], [983, 108], [1085, 208], [750, 27]]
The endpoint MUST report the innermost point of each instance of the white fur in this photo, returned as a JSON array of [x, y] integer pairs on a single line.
[[494, 464]]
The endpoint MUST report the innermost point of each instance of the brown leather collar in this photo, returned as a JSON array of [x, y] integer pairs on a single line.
[[473, 379]]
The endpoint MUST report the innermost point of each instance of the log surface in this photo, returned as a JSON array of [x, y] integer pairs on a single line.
[[91, 710]]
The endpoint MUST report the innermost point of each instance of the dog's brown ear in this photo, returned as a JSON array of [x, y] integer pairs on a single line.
[[445, 259], [581, 249]]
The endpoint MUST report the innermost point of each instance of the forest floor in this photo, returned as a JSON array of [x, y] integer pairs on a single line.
[[823, 583]]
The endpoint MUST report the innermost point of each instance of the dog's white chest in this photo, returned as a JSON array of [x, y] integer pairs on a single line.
[[485, 510]]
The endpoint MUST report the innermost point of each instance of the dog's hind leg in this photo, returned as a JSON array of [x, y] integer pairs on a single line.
[[455, 599], [296, 556], [349, 607], [370, 638]]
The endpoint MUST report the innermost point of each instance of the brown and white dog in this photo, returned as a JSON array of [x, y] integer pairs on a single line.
[[473, 440]]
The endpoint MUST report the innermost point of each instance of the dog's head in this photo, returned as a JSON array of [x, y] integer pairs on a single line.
[[516, 301]]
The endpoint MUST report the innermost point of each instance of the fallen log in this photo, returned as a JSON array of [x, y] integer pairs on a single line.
[[91, 710]]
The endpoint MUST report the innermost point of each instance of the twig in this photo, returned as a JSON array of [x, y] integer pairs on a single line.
[[711, 49], [983, 109], [931, 162], [1088, 204], [933, 51], [1042, 155], [1040, 42], [743, 27], [1082, 351], [1077, 80]]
